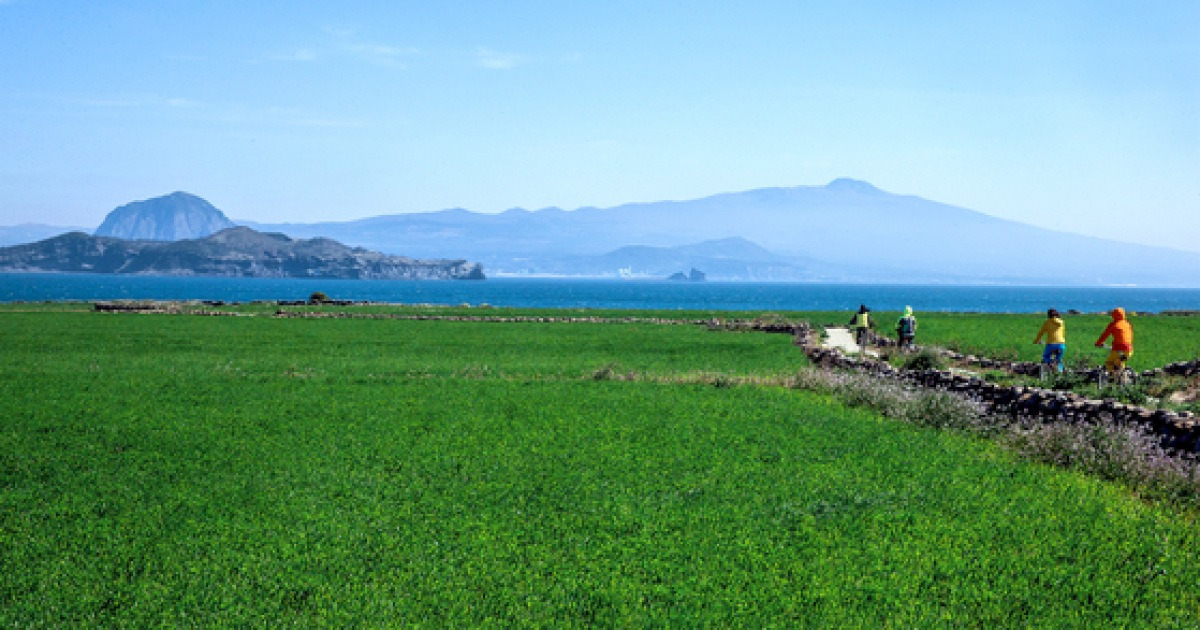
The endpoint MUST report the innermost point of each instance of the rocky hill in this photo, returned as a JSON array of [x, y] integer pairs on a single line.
[[238, 251], [170, 218]]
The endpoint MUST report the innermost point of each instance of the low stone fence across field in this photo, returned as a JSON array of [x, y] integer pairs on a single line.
[[800, 331], [163, 308], [1177, 430], [131, 307], [502, 319]]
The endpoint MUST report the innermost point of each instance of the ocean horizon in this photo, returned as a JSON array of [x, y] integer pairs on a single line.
[[589, 293]]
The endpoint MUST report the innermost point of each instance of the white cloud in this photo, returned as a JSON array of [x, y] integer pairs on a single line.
[[300, 54], [494, 60], [347, 42], [378, 53]]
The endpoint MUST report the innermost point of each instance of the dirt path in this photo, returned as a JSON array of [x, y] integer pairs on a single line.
[[843, 339]]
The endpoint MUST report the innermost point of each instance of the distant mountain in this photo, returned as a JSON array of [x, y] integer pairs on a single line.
[[238, 251], [724, 259], [846, 231], [171, 218], [30, 232]]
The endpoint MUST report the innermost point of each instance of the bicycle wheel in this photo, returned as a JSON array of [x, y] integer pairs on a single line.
[[1127, 378]]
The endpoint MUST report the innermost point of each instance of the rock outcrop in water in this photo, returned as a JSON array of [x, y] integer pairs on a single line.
[[234, 252]]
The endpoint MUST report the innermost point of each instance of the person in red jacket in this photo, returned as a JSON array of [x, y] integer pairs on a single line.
[[1122, 341]]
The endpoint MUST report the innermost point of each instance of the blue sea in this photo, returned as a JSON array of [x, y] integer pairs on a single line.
[[589, 293]]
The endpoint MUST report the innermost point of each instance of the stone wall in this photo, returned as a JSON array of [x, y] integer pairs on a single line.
[[1177, 430]]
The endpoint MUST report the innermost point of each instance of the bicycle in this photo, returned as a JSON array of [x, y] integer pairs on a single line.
[[1046, 371], [1051, 365], [1123, 376], [862, 337]]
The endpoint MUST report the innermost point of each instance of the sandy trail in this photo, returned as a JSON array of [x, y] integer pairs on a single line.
[[842, 339]]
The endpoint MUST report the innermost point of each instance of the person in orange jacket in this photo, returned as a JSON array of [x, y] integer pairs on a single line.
[[1122, 341]]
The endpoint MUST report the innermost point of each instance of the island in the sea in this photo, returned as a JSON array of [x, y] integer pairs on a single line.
[[695, 275], [232, 252]]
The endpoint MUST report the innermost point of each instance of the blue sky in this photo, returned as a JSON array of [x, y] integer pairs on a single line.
[[1078, 116]]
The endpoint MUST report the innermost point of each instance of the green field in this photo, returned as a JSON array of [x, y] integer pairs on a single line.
[[250, 471]]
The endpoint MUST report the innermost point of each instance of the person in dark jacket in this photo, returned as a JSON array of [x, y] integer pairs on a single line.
[[906, 329], [861, 324]]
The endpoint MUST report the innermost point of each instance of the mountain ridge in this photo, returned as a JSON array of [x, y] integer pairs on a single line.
[[845, 231], [234, 252]]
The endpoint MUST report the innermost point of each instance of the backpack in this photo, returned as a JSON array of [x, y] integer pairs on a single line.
[[907, 326]]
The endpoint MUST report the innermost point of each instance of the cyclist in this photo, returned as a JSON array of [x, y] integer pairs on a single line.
[[1055, 332], [906, 329], [1121, 332], [861, 321]]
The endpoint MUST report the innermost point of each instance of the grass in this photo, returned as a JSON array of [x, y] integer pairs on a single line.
[[248, 471]]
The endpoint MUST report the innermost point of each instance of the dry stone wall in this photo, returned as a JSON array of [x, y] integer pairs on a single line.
[[1177, 430]]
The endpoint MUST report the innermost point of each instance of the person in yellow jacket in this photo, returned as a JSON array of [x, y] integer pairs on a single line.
[[1055, 333], [1122, 341], [862, 324]]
